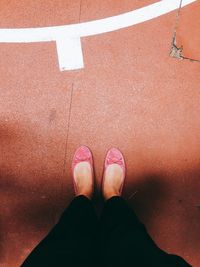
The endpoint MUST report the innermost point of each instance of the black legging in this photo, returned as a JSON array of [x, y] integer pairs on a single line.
[[117, 239]]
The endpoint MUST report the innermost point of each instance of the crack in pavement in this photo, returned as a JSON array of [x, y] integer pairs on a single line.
[[177, 52]]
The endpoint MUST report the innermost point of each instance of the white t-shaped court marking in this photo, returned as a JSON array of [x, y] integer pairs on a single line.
[[68, 37]]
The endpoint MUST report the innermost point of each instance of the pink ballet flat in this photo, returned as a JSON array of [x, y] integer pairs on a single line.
[[114, 156], [82, 154]]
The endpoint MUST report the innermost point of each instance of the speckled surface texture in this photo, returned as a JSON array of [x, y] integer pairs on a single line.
[[131, 94]]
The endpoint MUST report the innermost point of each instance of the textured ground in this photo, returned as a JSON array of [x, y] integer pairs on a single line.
[[131, 94]]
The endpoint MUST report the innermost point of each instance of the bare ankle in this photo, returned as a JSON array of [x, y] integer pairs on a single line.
[[110, 193]]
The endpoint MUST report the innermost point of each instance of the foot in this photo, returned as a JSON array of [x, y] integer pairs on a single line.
[[114, 174], [82, 167]]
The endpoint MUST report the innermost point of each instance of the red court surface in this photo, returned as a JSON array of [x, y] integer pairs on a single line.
[[188, 37], [131, 94]]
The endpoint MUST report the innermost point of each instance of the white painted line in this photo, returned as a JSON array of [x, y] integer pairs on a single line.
[[67, 37], [70, 54]]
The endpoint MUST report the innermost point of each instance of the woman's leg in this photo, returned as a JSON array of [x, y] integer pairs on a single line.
[[125, 241], [71, 242]]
